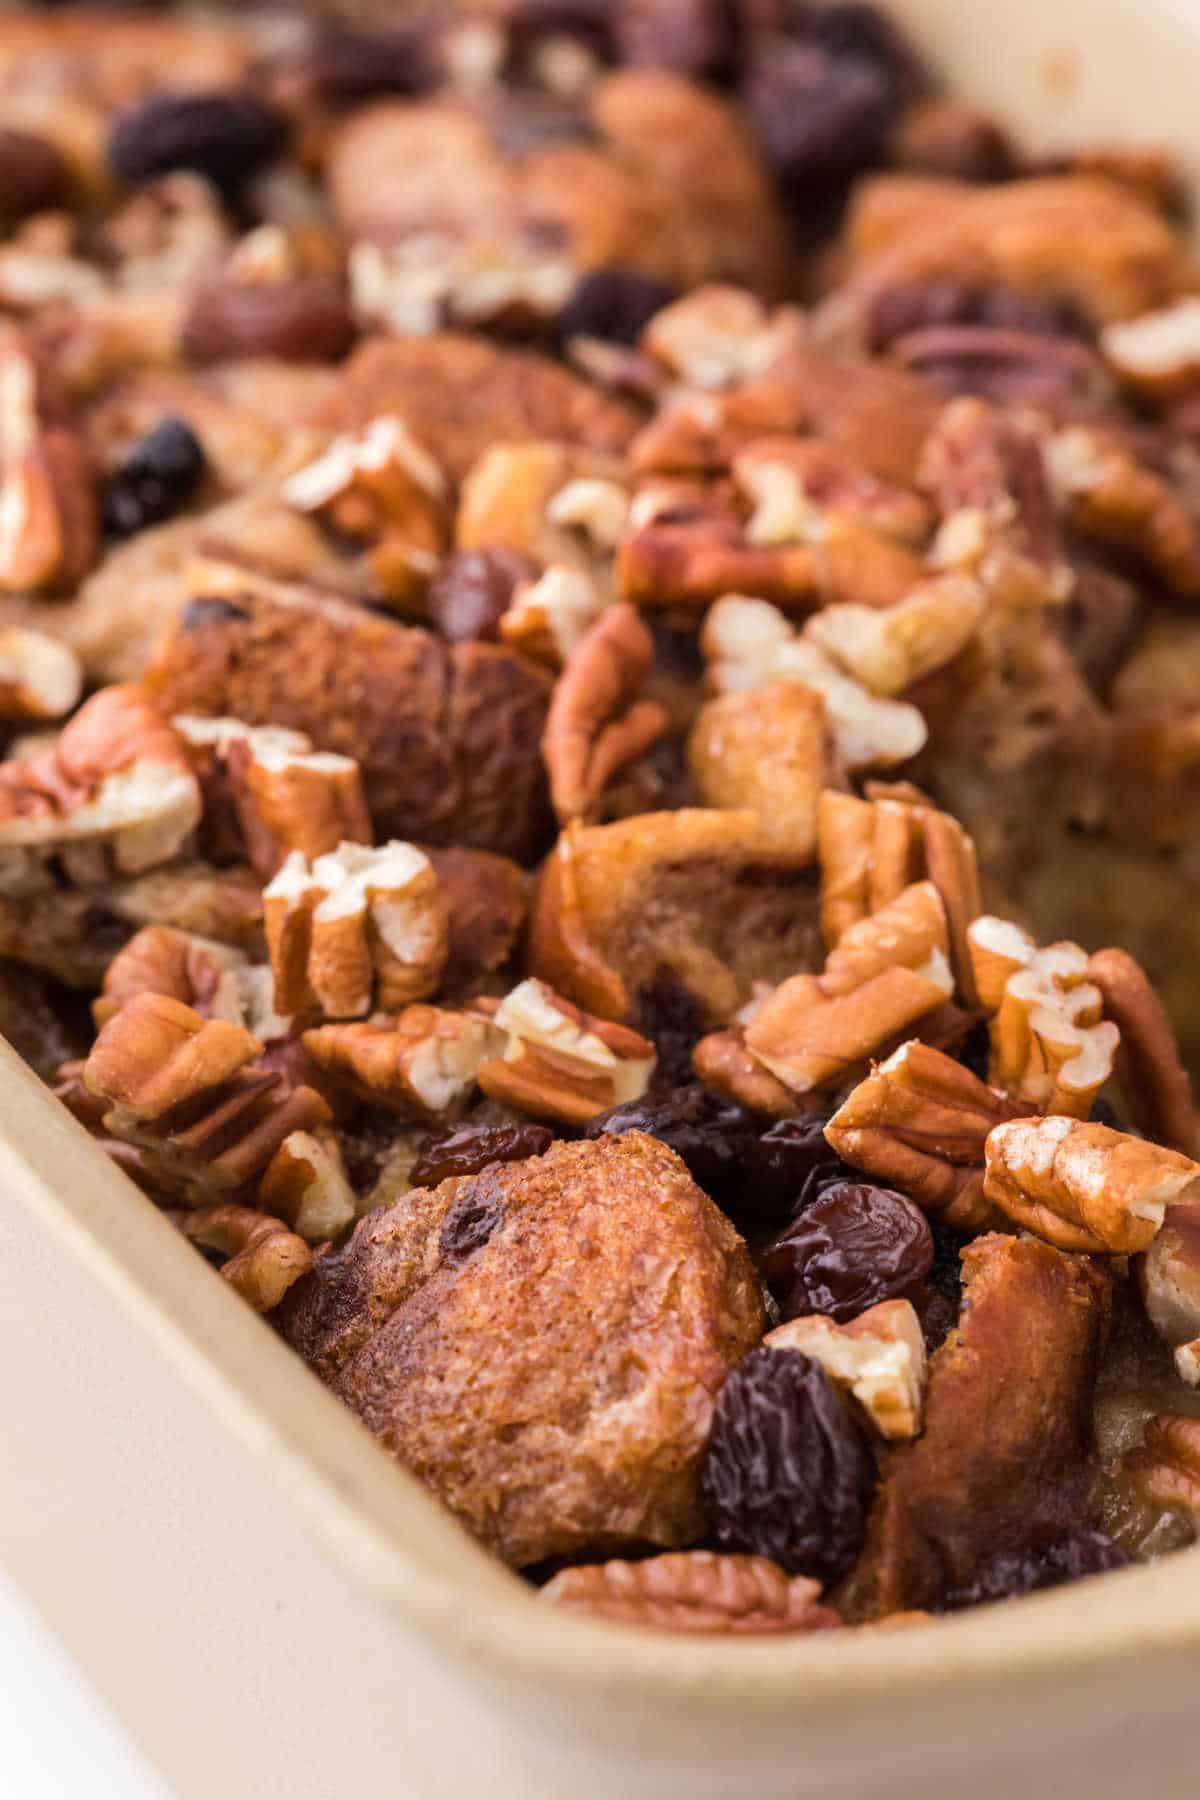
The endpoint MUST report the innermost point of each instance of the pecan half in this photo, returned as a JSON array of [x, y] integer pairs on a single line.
[[878, 1357], [265, 1258], [919, 1123], [422, 1064], [1169, 1278], [1084, 1187], [1156, 1086], [1108, 494], [215, 980], [359, 928], [115, 791], [596, 724], [559, 1062], [723, 1063], [885, 973], [49, 516], [1165, 1467], [695, 1590]]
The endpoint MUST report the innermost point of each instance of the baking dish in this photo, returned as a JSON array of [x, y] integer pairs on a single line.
[[275, 1609]]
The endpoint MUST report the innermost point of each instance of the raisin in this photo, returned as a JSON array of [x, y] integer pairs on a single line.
[[792, 1164], [156, 479], [225, 134], [853, 1247], [590, 23], [674, 1022], [866, 33], [308, 319], [700, 38], [818, 118], [475, 1216], [614, 303], [1013, 1573], [712, 1135], [466, 1149], [787, 1471], [975, 1053], [473, 589], [344, 65]]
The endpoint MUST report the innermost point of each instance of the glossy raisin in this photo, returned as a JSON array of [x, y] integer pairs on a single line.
[[712, 1135], [157, 478], [473, 589], [853, 1247], [674, 1022], [1013, 1573], [468, 1148], [787, 1472], [614, 303], [225, 134], [792, 1164]]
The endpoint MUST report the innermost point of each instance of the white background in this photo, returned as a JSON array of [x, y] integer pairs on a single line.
[[57, 1739]]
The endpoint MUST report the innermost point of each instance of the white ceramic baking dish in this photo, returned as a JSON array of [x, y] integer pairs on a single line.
[[277, 1610]]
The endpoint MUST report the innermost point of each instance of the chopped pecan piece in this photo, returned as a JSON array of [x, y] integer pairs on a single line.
[[1107, 493], [549, 618], [695, 1590], [1003, 1463], [891, 648], [40, 678], [379, 487], [871, 850], [49, 517], [432, 1324], [215, 980], [1165, 1467], [422, 1064], [694, 896], [1155, 1083], [885, 973], [114, 792], [359, 928], [184, 1091], [559, 1062], [718, 336], [596, 723], [750, 644], [723, 1063], [1084, 1187], [284, 796], [265, 1258], [878, 1357], [768, 748], [919, 1123], [1169, 1277], [305, 1185], [1158, 354], [793, 483], [548, 501], [1051, 1049]]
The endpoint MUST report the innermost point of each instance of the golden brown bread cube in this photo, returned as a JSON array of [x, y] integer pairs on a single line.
[[446, 735], [1005, 1462], [542, 1343]]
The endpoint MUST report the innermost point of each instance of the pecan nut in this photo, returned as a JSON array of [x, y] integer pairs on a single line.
[[1164, 1469], [559, 1062], [358, 928], [878, 1357], [265, 1259], [919, 1123], [1084, 1187], [305, 1185], [769, 749], [1107, 493], [40, 677], [695, 1590], [422, 1065], [1155, 1083], [596, 723]]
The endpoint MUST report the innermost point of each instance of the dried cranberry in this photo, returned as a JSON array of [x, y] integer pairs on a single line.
[[613, 303], [466, 1149], [712, 1135], [818, 118], [473, 589], [787, 1472], [158, 477], [853, 1247], [1012, 1573], [475, 1215], [674, 1022], [225, 134]]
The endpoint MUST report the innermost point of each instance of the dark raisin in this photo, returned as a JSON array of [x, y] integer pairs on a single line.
[[867, 33], [787, 1472], [975, 1053], [818, 118], [466, 1149], [226, 134], [344, 65], [217, 1258], [33, 174], [200, 613], [307, 319], [701, 38], [614, 303], [674, 1022], [367, 1141], [589, 22], [712, 1135], [853, 1247], [792, 1164], [157, 478], [471, 591], [475, 1215], [1013, 1573]]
